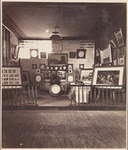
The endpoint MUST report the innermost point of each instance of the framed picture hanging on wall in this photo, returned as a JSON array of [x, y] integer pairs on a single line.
[[34, 66], [72, 55], [81, 66], [119, 37], [106, 55], [42, 54], [34, 53], [81, 53]]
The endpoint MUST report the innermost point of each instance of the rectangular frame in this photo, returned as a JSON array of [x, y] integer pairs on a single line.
[[25, 77], [112, 76], [72, 55], [11, 75], [106, 55], [86, 76], [57, 59], [71, 75], [119, 38]]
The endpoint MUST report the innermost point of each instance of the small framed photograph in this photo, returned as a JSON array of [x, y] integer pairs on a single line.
[[34, 53], [86, 76], [70, 78], [37, 71], [25, 77], [121, 60], [42, 66], [108, 75], [34, 66], [70, 68], [81, 66], [119, 37], [42, 54], [72, 55], [106, 55], [81, 53]]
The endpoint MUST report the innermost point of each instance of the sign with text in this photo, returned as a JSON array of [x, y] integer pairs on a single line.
[[11, 77]]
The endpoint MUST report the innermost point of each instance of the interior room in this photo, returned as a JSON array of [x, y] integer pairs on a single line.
[[63, 56]]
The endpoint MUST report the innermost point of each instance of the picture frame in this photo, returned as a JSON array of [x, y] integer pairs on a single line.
[[25, 77], [81, 66], [70, 78], [112, 43], [106, 55], [119, 38], [81, 53], [34, 53], [42, 66], [70, 68], [42, 55], [112, 76], [86, 76], [57, 59], [72, 55], [34, 66]]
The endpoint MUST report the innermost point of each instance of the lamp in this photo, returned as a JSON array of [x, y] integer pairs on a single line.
[[55, 35]]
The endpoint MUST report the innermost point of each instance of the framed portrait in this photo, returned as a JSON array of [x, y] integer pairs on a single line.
[[57, 59], [81, 66], [42, 66], [106, 55], [25, 77], [70, 78], [121, 60], [34, 53], [81, 53], [42, 54], [72, 55], [86, 76], [70, 68], [56, 46], [108, 75], [34, 66], [119, 38], [37, 71]]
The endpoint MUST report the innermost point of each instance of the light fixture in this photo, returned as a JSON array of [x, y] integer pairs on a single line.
[[55, 35]]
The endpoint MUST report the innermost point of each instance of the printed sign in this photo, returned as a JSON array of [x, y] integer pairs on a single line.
[[11, 76]]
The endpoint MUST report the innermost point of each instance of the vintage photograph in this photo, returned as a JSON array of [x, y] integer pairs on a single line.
[[108, 76], [57, 59], [63, 74], [86, 76]]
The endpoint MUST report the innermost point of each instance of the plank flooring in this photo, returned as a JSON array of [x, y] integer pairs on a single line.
[[63, 129]]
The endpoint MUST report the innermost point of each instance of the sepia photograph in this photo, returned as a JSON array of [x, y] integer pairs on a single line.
[[63, 74]]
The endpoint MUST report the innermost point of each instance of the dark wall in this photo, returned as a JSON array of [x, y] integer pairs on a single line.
[[104, 30]]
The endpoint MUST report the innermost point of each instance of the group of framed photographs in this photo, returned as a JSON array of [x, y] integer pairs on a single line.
[[112, 76], [79, 54]]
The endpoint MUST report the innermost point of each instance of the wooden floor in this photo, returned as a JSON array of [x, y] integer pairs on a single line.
[[45, 99], [63, 129]]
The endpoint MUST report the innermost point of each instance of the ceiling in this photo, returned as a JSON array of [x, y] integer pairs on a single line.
[[35, 20]]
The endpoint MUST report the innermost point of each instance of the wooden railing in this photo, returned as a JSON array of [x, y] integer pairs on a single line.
[[100, 95], [23, 95]]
